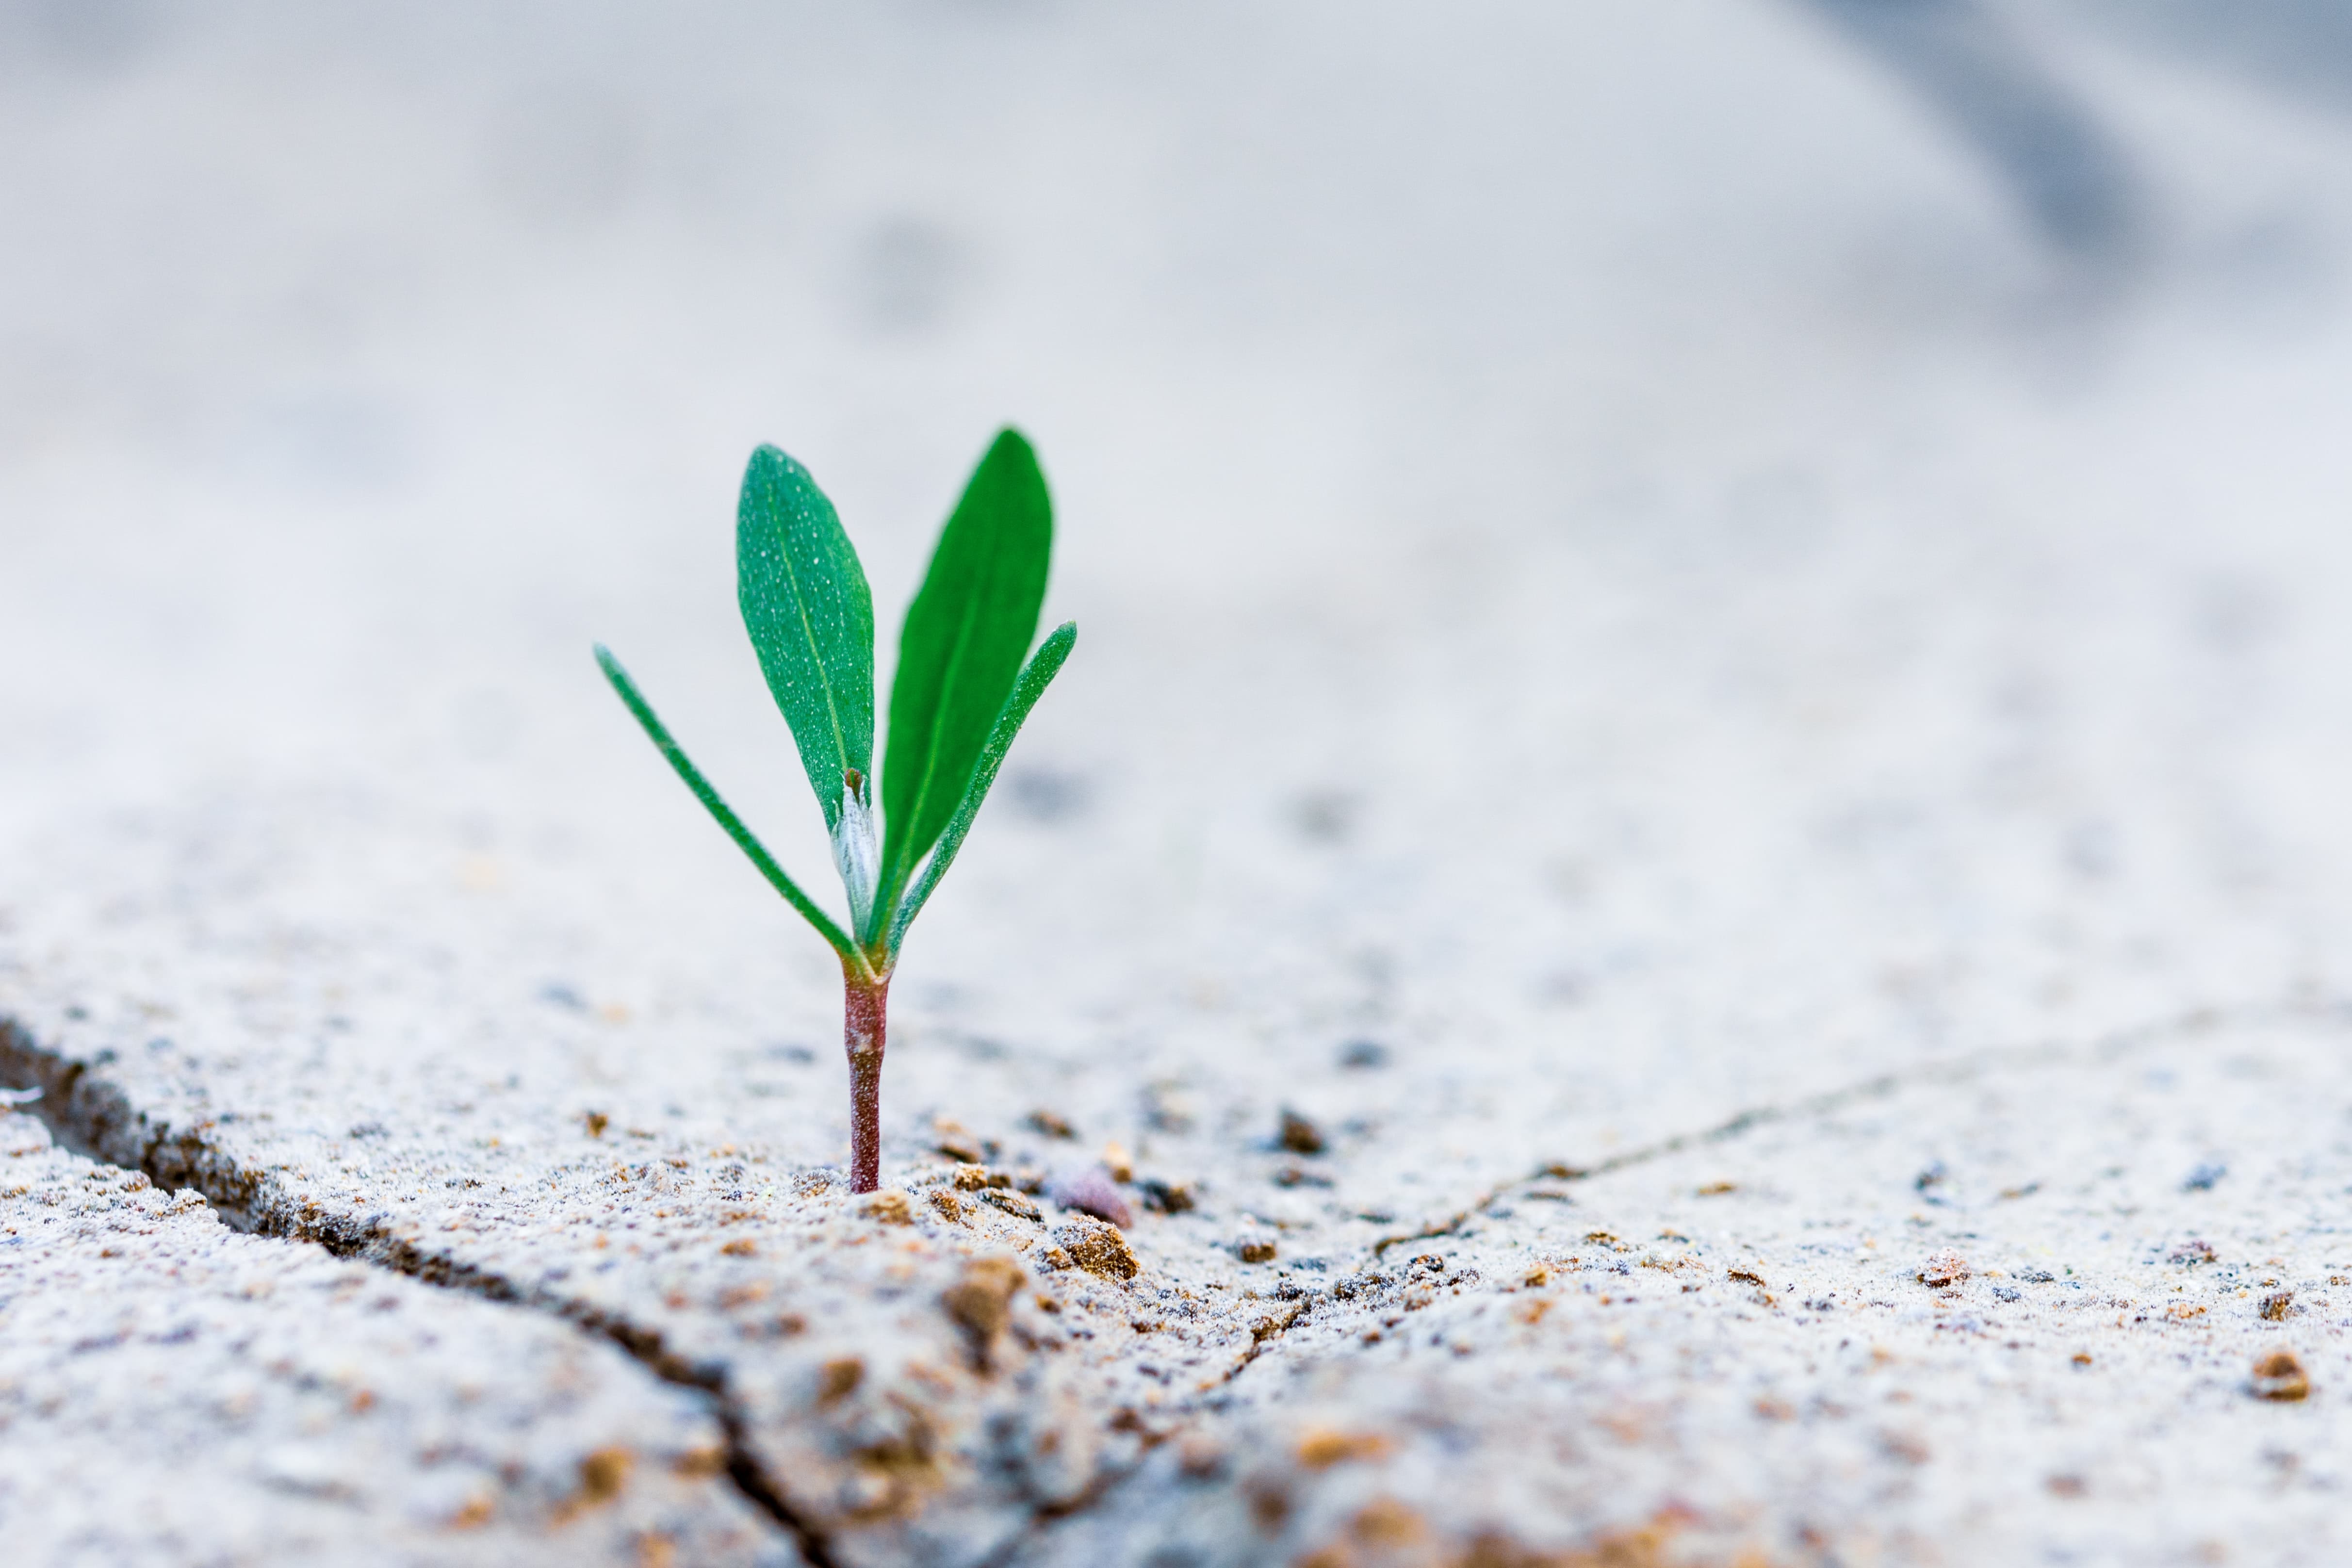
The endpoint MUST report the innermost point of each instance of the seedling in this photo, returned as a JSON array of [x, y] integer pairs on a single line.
[[960, 696]]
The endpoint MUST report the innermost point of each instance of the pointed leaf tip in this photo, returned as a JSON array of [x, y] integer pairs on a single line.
[[963, 646], [810, 619]]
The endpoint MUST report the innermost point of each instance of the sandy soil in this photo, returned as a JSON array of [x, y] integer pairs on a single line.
[[1753, 764]]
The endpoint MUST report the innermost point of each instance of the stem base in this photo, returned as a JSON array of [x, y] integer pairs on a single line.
[[864, 1006]]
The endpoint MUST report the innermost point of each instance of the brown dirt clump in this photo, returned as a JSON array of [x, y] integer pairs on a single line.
[[1096, 1246], [2279, 1375], [1299, 1135], [982, 1301]]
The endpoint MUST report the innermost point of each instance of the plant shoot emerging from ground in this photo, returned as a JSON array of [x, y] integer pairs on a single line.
[[959, 698]]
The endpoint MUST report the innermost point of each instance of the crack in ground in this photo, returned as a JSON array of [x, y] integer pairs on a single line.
[[93, 1118], [371, 1243], [1953, 1069], [1263, 1334], [1269, 1331]]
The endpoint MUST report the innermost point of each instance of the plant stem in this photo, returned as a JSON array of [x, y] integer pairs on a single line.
[[865, 1000]]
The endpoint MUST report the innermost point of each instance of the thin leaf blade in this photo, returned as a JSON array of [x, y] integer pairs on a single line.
[[659, 733], [1027, 688], [961, 650], [810, 619]]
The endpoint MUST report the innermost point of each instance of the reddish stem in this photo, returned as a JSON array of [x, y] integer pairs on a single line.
[[864, 1004]]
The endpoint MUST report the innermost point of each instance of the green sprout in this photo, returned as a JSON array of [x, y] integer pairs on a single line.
[[961, 694]]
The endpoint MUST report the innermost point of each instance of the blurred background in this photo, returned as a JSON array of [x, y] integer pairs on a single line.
[[1447, 407], [336, 340]]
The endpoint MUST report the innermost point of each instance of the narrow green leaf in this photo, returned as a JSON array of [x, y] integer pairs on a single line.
[[660, 734], [965, 637], [810, 617], [1027, 689]]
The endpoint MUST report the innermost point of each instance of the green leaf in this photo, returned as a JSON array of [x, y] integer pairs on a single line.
[[810, 617], [1027, 689], [966, 634], [660, 734]]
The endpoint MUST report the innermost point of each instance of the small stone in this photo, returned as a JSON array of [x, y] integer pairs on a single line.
[[1092, 1191], [1255, 1251], [709, 1460], [1299, 1135], [1269, 1503], [1200, 1456], [973, 1177], [1323, 1447], [1384, 1522], [1363, 1054], [889, 1208], [1051, 1124], [950, 1206], [982, 1301], [950, 1139], [2203, 1178], [1118, 1161], [837, 1380], [596, 1122], [1099, 1249], [2192, 1252], [1011, 1203], [1167, 1197], [2279, 1375], [1717, 1189], [2275, 1306], [602, 1474], [1943, 1268]]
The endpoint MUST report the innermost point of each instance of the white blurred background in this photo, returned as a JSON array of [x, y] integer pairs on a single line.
[[1445, 405], [341, 343]]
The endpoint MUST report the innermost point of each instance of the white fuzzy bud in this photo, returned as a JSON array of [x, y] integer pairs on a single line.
[[856, 855]]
